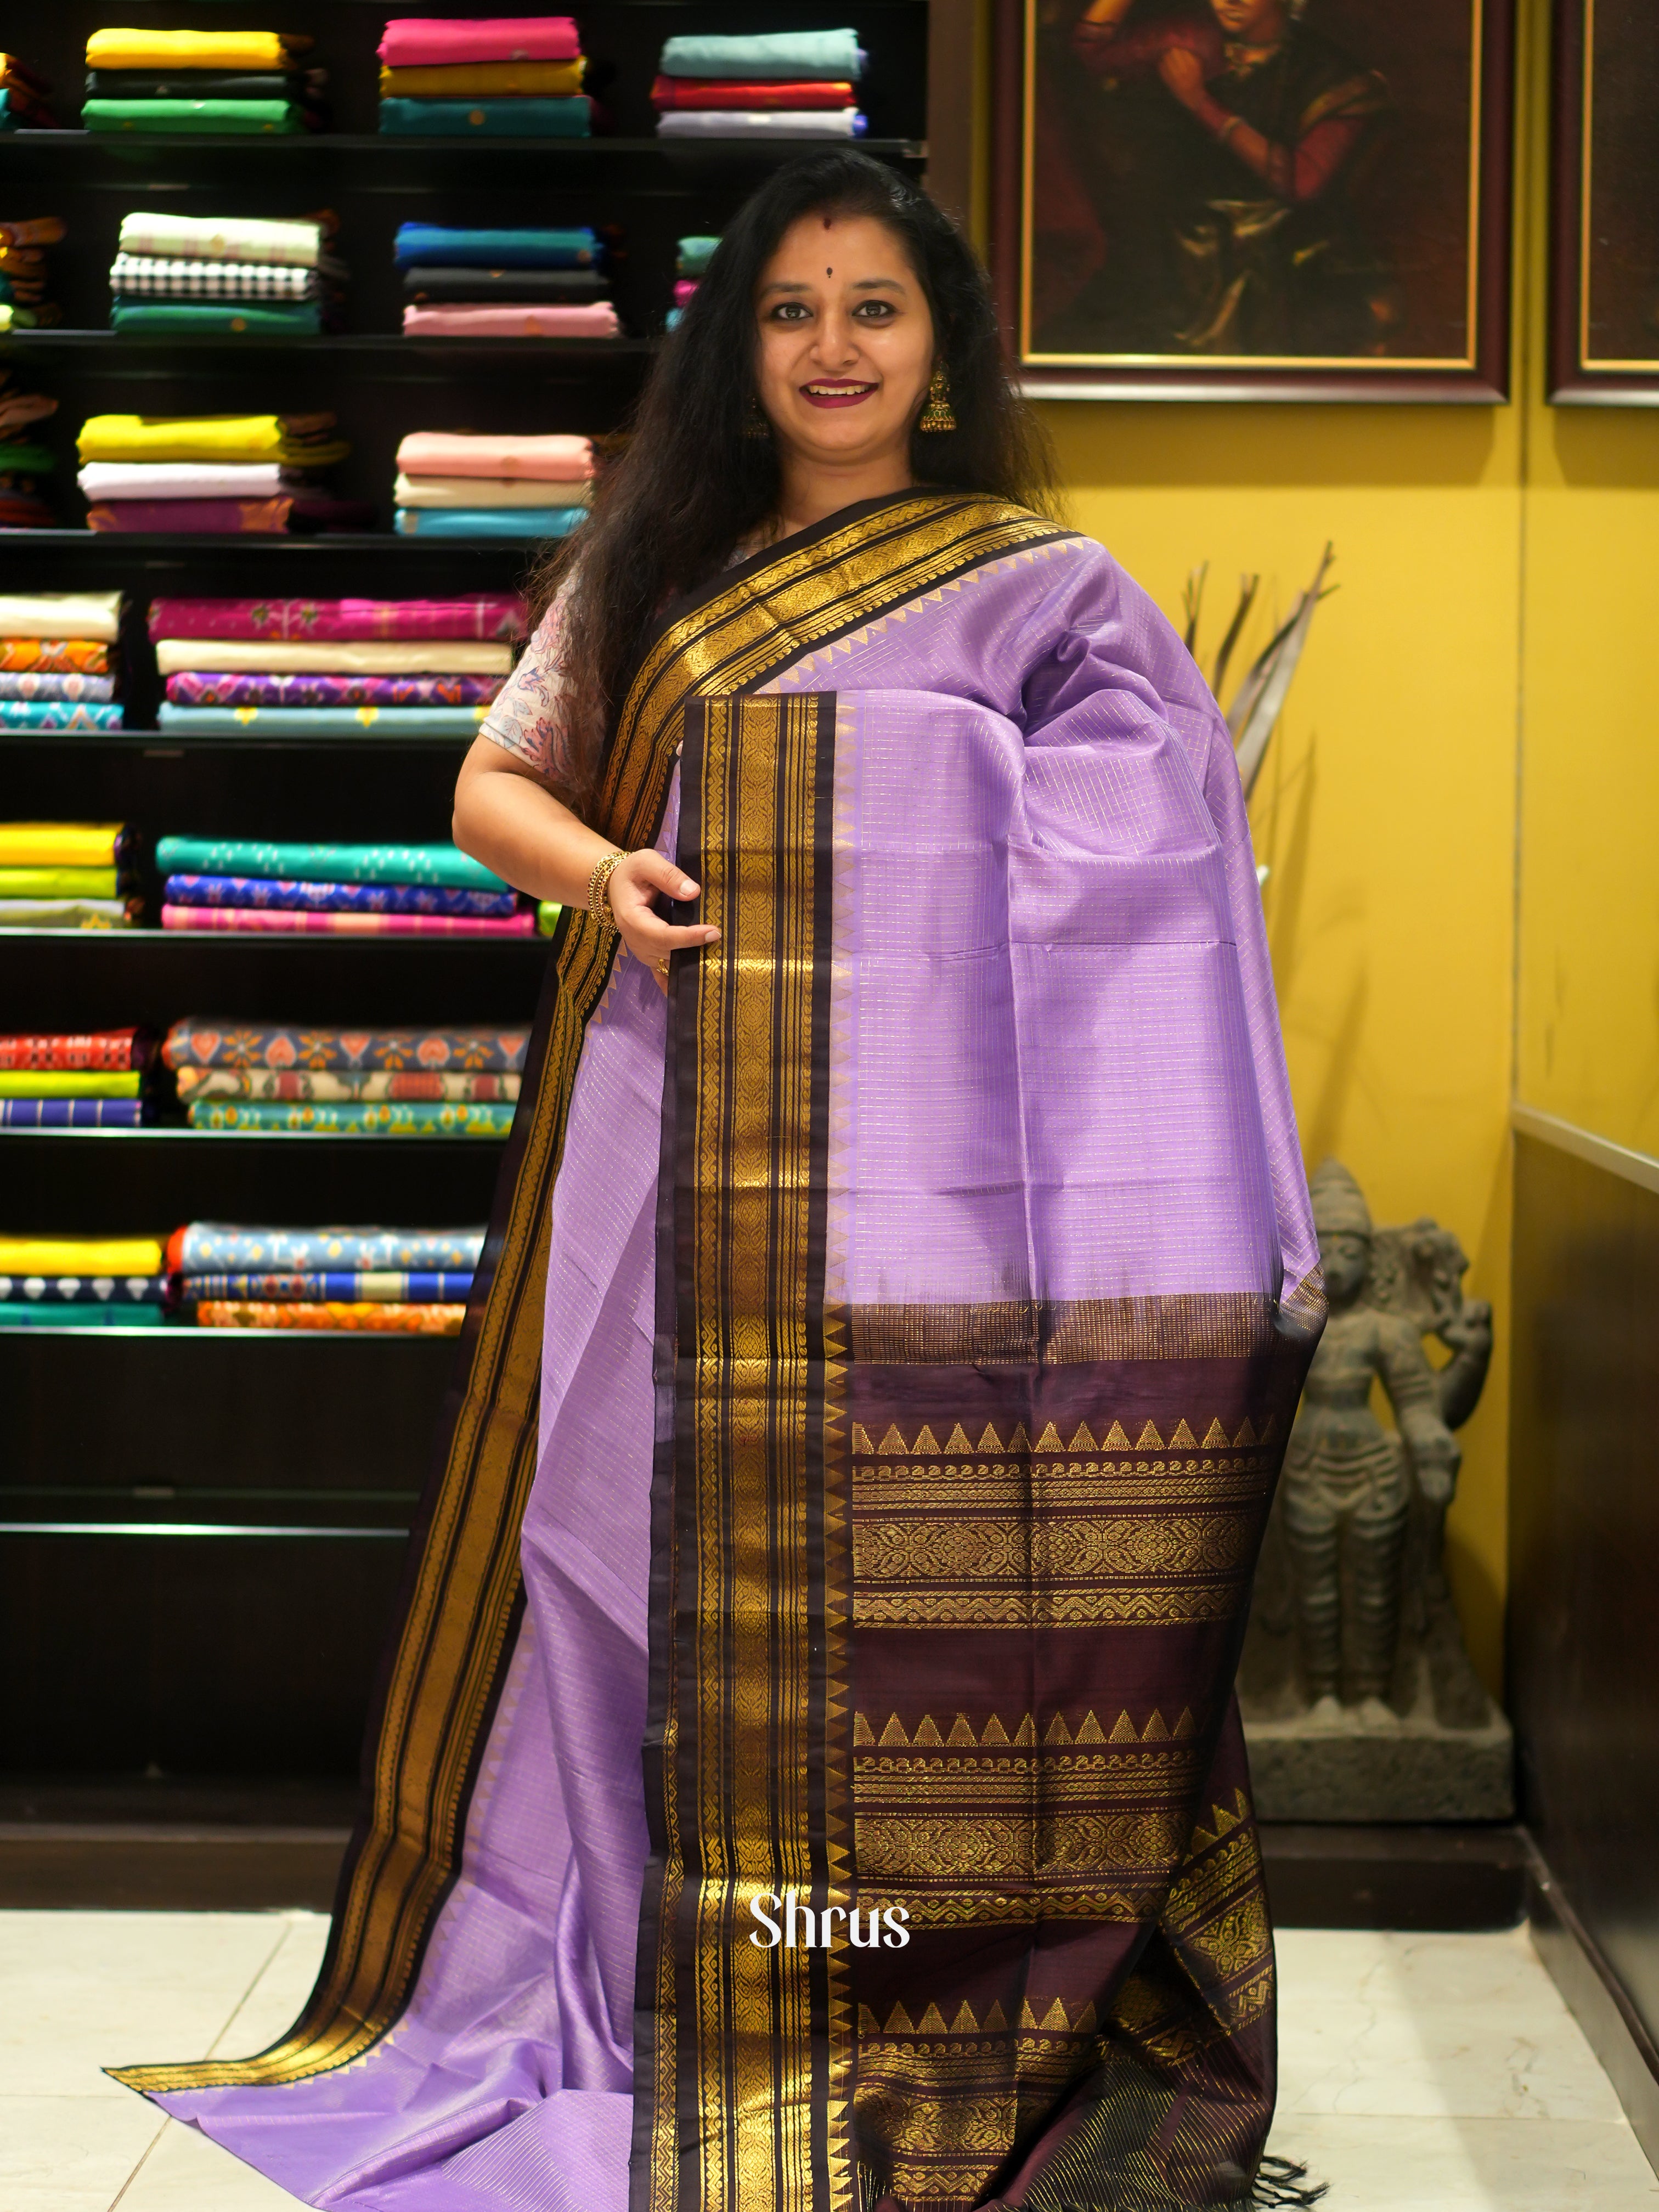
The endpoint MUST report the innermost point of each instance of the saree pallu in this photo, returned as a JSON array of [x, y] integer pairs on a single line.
[[196, 687], [928, 1286], [489, 617], [196, 1042]]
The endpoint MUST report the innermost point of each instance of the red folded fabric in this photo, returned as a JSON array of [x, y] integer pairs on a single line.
[[722, 92], [92, 1051], [218, 517], [433, 41], [305, 921]]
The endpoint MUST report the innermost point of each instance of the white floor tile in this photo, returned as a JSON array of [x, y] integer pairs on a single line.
[[1459, 2026], [63, 2150], [277, 1998], [188, 2173], [82, 1991], [1383, 2165]]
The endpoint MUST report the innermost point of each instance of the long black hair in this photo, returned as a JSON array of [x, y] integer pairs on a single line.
[[688, 486]]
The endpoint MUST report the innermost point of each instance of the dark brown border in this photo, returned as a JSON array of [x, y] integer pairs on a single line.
[[1485, 384], [1571, 383]]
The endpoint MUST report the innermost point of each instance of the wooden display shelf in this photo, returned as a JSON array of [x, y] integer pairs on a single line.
[[388, 145]]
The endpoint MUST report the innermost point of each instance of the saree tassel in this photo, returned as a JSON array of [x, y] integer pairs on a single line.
[[1282, 2181]]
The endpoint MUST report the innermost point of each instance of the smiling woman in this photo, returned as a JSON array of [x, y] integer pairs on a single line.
[[888, 1351]]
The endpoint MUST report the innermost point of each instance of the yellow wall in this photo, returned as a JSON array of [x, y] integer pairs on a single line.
[[1484, 555]]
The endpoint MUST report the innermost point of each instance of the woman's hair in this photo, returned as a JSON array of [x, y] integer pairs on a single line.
[[689, 485]]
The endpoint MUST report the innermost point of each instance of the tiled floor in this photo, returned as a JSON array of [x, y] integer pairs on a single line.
[[1420, 2073]]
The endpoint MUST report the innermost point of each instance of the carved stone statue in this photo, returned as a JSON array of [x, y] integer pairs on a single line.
[[1358, 1697]]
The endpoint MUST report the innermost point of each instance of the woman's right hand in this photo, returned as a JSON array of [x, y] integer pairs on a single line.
[[635, 881]]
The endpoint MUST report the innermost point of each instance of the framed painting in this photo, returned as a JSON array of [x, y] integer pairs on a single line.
[[1255, 199], [1604, 270]]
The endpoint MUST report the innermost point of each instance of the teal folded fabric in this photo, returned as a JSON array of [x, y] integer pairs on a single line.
[[487, 118], [326, 864], [293, 318], [516, 523], [421, 245], [414, 1119], [16, 1315], [694, 256], [251, 117], [60, 715], [323, 721], [780, 55]]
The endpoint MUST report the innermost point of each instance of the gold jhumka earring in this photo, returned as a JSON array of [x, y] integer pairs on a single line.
[[754, 424], [936, 415]]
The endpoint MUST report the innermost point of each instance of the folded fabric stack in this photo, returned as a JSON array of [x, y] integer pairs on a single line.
[[692, 256], [239, 474], [258, 1077], [762, 84], [330, 668], [503, 284], [412, 1282], [231, 82], [23, 459], [460, 484], [337, 891], [65, 875], [223, 276], [54, 628], [23, 97], [25, 268], [505, 76], [81, 1282], [92, 1080]]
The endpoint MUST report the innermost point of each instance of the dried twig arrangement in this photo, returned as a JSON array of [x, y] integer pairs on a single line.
[[1260, 699]]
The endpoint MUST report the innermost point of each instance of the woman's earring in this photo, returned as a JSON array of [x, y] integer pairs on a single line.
[[936, 415], [754, 424]]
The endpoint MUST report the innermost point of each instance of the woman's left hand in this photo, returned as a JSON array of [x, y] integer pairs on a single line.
[[1184, 73], [635, 881]]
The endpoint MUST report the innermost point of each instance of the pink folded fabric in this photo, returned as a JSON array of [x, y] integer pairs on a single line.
[[428, 41], [683, 289], [309, 921], [597, 319], [489, 615], [218, 517], [557, 458]]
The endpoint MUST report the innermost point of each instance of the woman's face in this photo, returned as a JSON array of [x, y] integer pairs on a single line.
[[845, 340], [1258, 22]]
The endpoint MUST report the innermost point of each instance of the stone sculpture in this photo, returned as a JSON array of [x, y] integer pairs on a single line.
[[1358, 1697]]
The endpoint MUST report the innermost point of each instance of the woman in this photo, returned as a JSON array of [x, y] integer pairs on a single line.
[[928, 1285], [1223, 144]]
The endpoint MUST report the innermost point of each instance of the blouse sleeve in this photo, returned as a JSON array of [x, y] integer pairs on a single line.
[[527, 717]]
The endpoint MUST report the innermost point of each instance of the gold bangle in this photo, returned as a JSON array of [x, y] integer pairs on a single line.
[[598, 890]]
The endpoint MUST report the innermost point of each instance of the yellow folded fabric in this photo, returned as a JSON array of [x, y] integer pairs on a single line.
[[484, 80], [58, 844], [58, 883], [172, 49], [65, 1083], [80, 1255], [202, 438]]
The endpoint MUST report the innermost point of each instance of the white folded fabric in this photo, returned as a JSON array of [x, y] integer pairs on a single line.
[[258, 656], [487, 491], [96, 615], [184, 479], [758, 123], [222, 238]]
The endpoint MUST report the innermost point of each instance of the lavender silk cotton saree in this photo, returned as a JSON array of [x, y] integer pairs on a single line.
[[871, 1398]]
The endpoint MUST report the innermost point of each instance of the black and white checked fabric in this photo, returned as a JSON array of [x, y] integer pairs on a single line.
[[140, 276]]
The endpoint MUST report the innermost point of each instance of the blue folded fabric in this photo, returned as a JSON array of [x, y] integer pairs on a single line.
[[514, 522], [489, 118], [781, 56], [60, 715], [70, 1113], [325, 721], [426, 244], [309, 1287]]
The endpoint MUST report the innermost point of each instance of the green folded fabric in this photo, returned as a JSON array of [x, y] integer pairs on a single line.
[[294, 319], [694, 255], [413, 1119], [547, 916], [58, 883], [250, 117], [487, 118], [23, 459], [326, 864], [65, 1083]]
